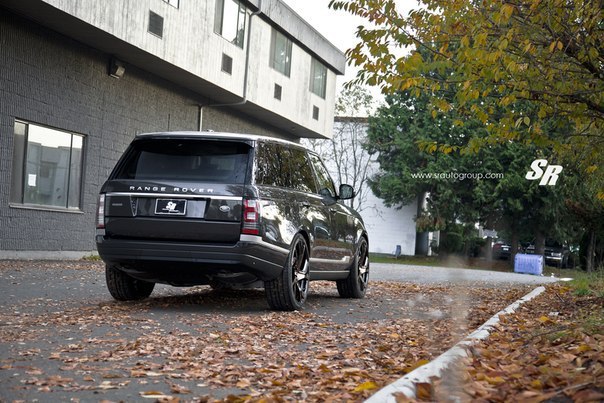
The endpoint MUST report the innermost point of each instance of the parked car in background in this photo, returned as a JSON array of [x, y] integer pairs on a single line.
[[191, 208], [555, 254], [501, 250]]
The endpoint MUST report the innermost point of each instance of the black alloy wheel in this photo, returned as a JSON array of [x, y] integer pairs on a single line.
[[288, 292], [355, 285]]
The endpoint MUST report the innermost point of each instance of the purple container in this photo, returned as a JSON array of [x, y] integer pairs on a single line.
[[529, 264]]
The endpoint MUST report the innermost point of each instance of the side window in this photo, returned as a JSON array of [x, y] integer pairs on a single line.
[[326, 187], [272, 165], [302, 177]]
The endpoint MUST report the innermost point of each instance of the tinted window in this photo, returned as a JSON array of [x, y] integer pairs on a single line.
[[326, 187], [272, 167], [302, 177], [189, 160]]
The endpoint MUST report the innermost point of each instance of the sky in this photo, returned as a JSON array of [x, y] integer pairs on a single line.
[[338, 27]]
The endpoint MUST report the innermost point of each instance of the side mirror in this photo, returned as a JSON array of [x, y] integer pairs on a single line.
[[346, 192]]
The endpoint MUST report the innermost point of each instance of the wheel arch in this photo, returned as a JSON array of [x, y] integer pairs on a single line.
[[305, 234]]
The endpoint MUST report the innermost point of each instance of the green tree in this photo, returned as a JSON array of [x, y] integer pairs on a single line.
[[449, 179], [493, 55], [588, 213], [510, 203]]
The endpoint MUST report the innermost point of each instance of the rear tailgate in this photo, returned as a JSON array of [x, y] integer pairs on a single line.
[[167, 215], [154, 194]]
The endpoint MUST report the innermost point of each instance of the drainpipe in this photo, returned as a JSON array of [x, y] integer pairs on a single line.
[[245, 73]]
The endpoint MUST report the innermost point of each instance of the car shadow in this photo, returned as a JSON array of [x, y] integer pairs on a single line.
[[204, 299]]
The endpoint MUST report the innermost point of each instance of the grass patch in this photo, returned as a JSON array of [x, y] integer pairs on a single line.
[[92, 258], [589, 284], [588, 288], [593, 323], [415, 260]]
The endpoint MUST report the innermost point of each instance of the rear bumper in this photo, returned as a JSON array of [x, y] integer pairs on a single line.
[[188, 263]]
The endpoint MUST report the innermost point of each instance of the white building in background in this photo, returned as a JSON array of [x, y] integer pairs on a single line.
[[388, 227]]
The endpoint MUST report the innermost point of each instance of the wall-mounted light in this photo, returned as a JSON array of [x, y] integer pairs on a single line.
[[116, 68]]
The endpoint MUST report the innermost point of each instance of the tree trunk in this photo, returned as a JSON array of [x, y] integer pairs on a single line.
[[489, 244], [539, 243], [489, 249], [442, 241], [422, 243], [514, 246], [591, 250]]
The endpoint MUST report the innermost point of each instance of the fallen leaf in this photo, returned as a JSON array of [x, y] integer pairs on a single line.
[[424, 391], [369, 385]]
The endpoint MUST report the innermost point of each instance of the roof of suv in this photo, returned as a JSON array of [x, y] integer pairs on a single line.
[[216, 135]]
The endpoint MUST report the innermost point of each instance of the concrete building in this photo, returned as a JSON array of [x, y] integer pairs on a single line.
[[79, 79]]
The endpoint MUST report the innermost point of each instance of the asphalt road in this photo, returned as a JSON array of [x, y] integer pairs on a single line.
[[63, 337]]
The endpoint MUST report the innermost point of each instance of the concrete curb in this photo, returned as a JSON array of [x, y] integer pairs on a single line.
[[406, 384]]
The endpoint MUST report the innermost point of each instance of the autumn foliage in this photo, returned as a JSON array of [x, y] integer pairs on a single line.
[[493, 56]]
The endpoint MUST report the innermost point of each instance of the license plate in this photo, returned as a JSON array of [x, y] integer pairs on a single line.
[[170, 207]]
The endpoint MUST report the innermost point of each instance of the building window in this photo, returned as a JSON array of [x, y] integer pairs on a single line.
[[173, 3], [281, 53], [47, 167], [315, 112], [229, 21], [156, 24], [318, 77]]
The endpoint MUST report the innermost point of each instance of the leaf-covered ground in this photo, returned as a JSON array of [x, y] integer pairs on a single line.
[[62, 338], [551, 349]]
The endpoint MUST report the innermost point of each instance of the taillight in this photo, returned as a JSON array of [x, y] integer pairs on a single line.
[[251, 217], [100, 212]]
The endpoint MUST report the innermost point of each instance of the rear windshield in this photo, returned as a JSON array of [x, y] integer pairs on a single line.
[[186, 160]]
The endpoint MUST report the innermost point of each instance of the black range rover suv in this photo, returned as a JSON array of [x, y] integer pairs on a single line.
[[193, 208]]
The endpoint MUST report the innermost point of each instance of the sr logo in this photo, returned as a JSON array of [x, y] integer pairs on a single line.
[[548, 177]]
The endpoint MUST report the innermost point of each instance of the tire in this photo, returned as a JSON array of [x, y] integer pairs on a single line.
[[123, 287], [289, 290], [355, 285]]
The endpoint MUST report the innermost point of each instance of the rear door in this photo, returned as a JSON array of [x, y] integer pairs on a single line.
[[178, 189]]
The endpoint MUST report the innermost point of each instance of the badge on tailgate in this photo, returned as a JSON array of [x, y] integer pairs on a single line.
[[171, 206]]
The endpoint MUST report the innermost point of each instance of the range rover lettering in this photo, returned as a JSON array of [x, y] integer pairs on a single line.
[[221, 209]]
